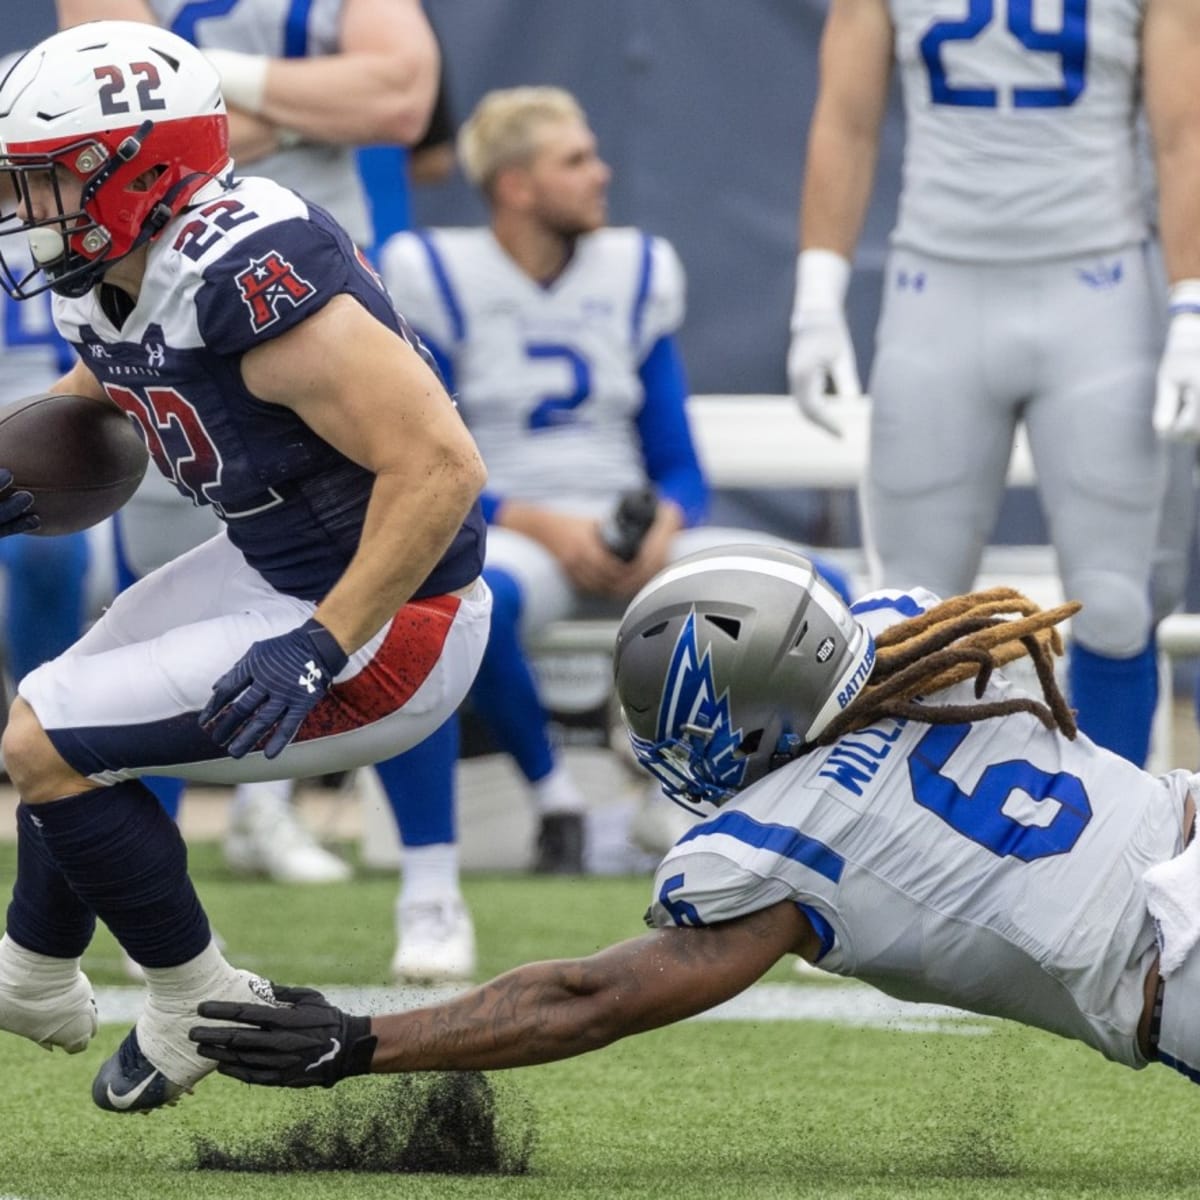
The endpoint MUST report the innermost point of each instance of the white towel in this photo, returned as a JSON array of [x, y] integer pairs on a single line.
[[1173, 898]]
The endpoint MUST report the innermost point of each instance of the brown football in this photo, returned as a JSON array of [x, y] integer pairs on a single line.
[[81, 458]]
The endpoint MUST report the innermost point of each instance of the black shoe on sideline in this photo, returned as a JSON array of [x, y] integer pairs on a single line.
[[560, 845]]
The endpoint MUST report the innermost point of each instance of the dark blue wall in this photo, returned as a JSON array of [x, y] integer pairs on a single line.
[[702, 107], [25, 22]]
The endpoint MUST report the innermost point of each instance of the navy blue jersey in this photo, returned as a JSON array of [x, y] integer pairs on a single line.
[[245, 263]]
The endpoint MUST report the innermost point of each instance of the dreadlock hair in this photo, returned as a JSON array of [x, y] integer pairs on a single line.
[[964, 636]]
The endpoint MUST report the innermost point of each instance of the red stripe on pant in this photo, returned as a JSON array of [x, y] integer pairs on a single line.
[[402, 663]]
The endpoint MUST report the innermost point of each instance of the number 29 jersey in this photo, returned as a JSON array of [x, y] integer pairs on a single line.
[[1021, 122], [994, 866]]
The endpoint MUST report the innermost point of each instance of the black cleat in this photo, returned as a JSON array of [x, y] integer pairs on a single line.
[[129, 1082], [560, 844]]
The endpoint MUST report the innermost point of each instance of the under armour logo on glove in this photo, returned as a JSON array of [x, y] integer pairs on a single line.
[[311, 676], [264, 699]]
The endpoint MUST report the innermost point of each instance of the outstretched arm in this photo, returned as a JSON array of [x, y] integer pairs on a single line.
[[534, 1014]]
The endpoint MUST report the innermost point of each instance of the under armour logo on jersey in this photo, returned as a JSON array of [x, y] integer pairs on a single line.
[[312, 673], [1104, 276], [269, 282], [156, 355]]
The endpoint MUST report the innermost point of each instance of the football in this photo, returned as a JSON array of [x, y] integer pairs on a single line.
[[81, 458]]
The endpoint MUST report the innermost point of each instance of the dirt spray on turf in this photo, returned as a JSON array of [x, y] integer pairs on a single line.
[[456, 1123]]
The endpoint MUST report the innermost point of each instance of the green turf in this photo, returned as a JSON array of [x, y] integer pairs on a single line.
[[702, 1110]]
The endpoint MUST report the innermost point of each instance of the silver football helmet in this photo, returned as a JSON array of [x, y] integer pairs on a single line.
[[728, 663]]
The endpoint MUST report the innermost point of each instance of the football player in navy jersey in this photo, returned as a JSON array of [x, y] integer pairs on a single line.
[[338, 617], [878, 799], [305, 84]]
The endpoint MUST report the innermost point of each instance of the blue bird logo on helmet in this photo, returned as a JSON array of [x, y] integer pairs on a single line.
[[694, 756]]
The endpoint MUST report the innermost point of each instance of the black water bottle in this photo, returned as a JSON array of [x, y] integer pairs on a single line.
[[624, 529]]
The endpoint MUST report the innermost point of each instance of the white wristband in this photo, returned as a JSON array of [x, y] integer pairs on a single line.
[[1185, 297], [822, 277], [243, 77]]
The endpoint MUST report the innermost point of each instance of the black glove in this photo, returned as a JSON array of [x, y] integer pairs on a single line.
[[16, 515], [308, 1043], [271, 689]]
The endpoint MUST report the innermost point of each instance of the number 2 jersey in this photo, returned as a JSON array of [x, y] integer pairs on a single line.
[[547, 376], [994, 866], [247, 261], [1021, 121]]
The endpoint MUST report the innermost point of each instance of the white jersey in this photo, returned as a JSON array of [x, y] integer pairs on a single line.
[[547, 377], [1021, 127], [994, 866], [323, 173]]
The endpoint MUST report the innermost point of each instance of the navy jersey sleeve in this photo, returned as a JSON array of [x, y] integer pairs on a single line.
[[269, 282]]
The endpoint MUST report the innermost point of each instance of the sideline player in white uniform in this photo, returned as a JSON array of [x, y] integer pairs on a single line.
[[884, 803], [306, 85], [336, 618], [557, 335], [1018, 289], [45, 588]]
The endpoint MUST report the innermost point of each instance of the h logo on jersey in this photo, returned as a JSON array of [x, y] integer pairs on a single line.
[[269, 282], [312, 674]]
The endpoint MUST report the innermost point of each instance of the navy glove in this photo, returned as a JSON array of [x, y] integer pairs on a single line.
[[16, 515], [309, 1043], [271, 689]]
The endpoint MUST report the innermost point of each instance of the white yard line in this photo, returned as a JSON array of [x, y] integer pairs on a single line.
[[842, 1004]]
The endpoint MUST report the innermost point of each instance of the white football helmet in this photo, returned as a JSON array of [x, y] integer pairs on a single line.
[[105, 103], [729, 663]]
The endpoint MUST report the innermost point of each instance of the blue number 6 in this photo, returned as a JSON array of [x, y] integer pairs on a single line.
[[979, 814]]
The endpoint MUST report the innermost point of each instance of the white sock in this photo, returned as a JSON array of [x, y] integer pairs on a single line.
[[26, 970], [179, 989], [558, 792], [429, 872], [171, 1009]]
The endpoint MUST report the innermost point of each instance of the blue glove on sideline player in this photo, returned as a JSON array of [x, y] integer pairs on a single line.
[[308, 1042], [271, 689], [15, 506]]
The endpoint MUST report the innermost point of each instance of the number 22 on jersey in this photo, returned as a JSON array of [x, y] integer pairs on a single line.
[[1067, 40]]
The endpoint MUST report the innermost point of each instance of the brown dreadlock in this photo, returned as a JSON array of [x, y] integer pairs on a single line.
[[962, 637]]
